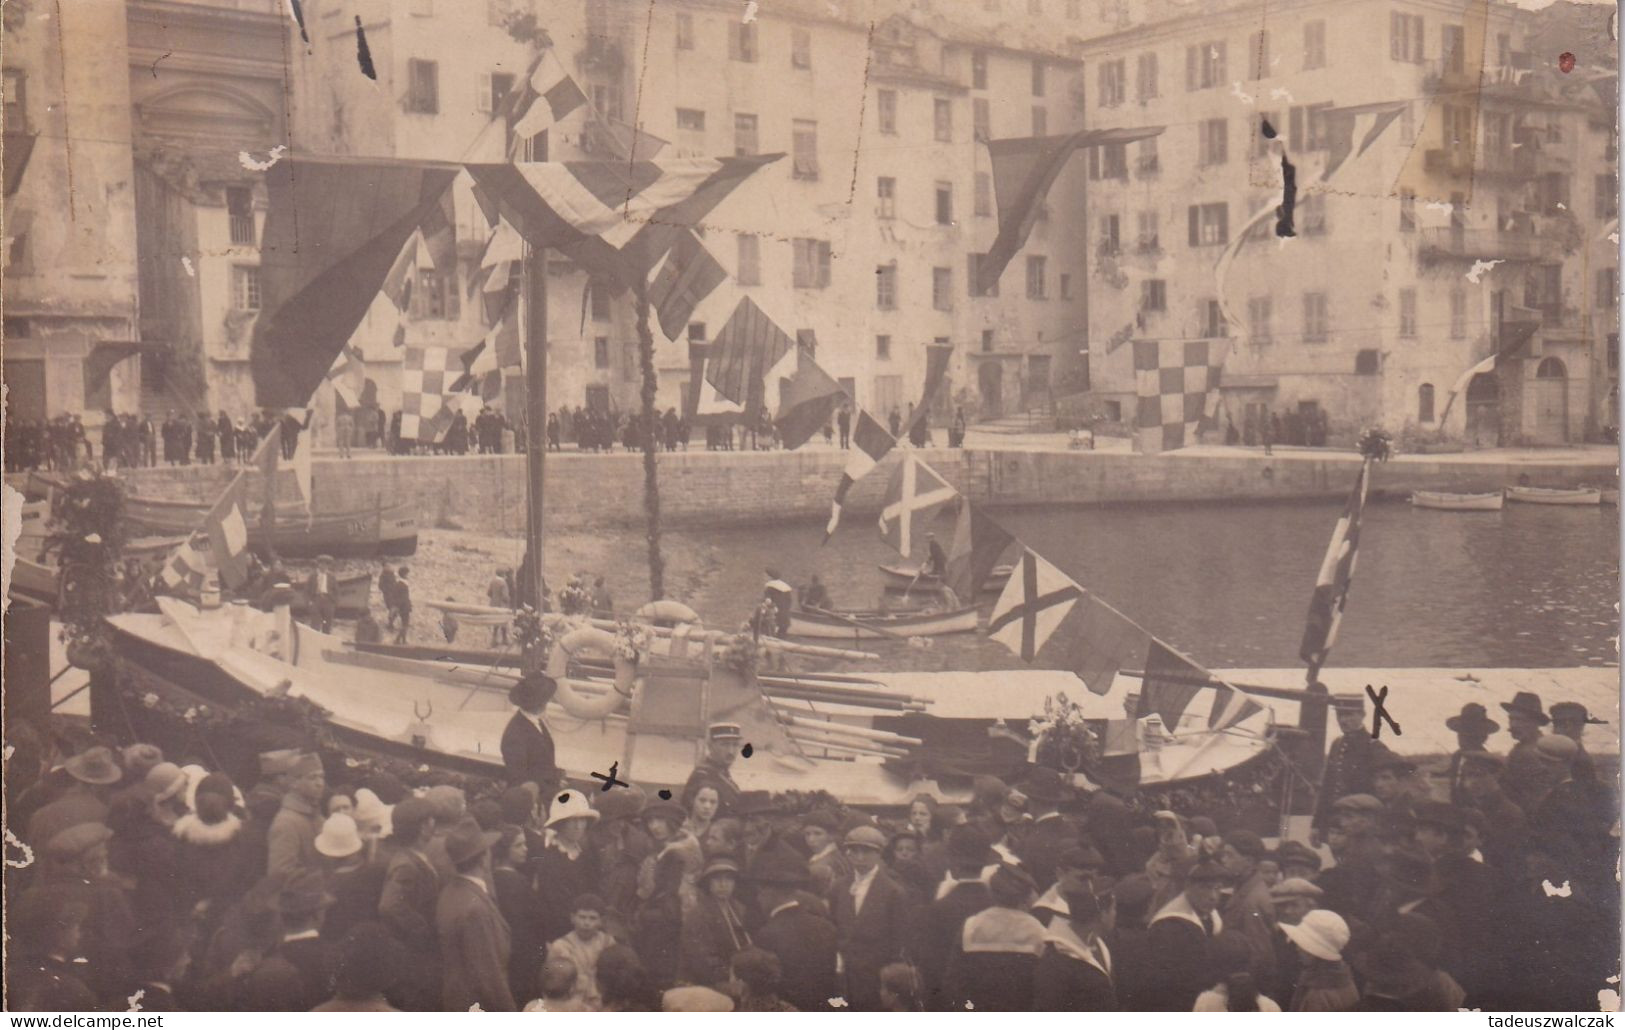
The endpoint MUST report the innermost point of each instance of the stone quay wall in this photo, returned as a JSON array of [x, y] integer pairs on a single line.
[[702, 488]]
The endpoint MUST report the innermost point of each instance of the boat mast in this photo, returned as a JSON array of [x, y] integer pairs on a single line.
[[535, 278]]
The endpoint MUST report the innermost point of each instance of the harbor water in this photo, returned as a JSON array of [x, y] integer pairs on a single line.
[[1529, 586]]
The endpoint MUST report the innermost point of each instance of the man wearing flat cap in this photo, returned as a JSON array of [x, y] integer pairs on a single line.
[[723, 741], [1472, 727], [527, 745], [1351, 761], [1524, 775], [291, 841], [872, 914], [475, 942]]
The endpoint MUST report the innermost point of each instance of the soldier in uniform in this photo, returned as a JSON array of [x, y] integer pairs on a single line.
[[723, 741], [1351, 761]]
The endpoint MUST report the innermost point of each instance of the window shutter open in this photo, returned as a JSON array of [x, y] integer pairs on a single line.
[[482, 99], [1190, 68], [1195, 225]]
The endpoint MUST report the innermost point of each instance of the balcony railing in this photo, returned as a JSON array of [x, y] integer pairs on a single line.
[[1487, 244], [1449, 74]]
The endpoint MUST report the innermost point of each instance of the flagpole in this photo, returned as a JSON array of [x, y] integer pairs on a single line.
[[535, 268], [651, 482]]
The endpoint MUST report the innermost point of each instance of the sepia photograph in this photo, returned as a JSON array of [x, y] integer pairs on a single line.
[[824, 506]]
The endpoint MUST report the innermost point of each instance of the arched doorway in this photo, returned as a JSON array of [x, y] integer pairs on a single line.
[[990, 380], [1551, 398], [1484, 410]]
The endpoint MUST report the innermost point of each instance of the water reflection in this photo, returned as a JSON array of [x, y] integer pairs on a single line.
[[1529, 586]]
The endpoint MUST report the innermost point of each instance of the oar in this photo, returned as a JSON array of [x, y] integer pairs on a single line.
[[856, 624]]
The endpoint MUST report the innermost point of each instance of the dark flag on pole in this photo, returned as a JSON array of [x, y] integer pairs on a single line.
[[978, 543], [806, 401], [1023, 171], [687, 276], [1336, 573], [745, 351], [936, 372]]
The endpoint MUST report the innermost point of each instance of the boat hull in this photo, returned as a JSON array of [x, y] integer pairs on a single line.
[[34, 580], [1457, 502], [906, 577], [872, 626], [1546, 495], [385, 530]]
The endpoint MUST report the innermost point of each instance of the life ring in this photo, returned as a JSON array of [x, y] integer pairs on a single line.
[[593, 641], [668, 613]]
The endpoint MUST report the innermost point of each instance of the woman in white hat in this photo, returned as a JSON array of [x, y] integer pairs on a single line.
[[355, 883], [1324, 981], [564, 866]]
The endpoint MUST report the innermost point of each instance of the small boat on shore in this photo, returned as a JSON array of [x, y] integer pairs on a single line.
[[1439, 501], [1554, 495], [366, 532], [909, 577], [875, 624]]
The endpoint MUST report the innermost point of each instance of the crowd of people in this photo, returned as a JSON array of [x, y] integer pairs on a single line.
[[303, 884], [62, 444]]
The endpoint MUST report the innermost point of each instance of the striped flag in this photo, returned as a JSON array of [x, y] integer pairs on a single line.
[[1514, 335], [1336, 574], [686, 277], [806, 401], [1176, 381], [745, 356], [1031, 606], [616, 219], [870, 443], [547, 96], [398, 286], [1171, 681], [977, 545], [914, 496]]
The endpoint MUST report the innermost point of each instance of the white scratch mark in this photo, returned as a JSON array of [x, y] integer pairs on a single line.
[[11, 530], [186, 263], [1556, 892], [1607, 1000], [28, 852], [1613, 238], [969, 1005], [475, 1007], [249, 162], [1612, 979], [1281, 93], [135, 999], [750, 12], [1439, 205], [1479, 268], [1562, 206], [1240, 94], [837, 1003], [8, 752]]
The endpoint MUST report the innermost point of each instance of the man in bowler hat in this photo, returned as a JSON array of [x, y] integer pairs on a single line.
[[527, 745]]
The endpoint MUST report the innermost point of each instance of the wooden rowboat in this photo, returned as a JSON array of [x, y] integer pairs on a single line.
[[874, 625], [367, 532], [1554, 495], [353, 595], [904, 577], [1457, 502]]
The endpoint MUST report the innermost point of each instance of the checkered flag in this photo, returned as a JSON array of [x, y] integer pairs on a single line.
[[186, 570], [1177, 382], [426, 379]]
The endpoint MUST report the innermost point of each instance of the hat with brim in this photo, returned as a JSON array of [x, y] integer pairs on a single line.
[[1322, 934], [469, 841], [780, 869], [1046, 785], [1574, 711], [571, 804], [724, 731], [1294, 887], [94, 766], [1360, 803], [1474, 719], [532, 691], [1526, 703], [865, 837], [164, 781], [1554, 747], [339, 837], [670, 811], [1348, 702]]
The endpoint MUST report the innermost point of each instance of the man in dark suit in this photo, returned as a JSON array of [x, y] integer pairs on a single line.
[[961, 895], [1351, 762], [1181, 938], [527, 746], [298, 974], [323, 590], [1472, 728], [407, 904], [1049, 836], [803, 941], [475, 942], [872, 913]]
